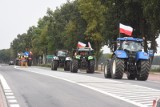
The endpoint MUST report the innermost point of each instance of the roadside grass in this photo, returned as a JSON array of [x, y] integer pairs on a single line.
[[155, 70], [45, 65]]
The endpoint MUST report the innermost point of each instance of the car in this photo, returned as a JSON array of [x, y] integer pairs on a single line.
[[11, 62]]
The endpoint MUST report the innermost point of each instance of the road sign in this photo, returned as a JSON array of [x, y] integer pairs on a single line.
[[49, 56]]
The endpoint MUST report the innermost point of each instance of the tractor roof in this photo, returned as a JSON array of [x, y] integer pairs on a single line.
[[130, 39], [85, 49]]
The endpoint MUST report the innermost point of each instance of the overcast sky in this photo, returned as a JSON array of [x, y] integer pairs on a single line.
[[16, 16]]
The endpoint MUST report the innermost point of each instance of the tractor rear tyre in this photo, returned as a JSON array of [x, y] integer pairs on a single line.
[[74, 66], [67, 66], [131, 76], [143, 67], [107, 72], [117, 68]]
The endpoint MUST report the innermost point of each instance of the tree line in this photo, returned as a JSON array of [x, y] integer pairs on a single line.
[[96, 21]]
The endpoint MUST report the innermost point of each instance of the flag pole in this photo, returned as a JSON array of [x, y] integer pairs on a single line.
[[119, 31]]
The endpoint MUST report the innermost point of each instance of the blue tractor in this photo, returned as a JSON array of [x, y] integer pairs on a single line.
[[128, 58]]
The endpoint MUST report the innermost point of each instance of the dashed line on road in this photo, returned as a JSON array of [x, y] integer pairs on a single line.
[[11, 99]]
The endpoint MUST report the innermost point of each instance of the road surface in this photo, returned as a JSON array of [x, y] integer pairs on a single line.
[[41, 87]]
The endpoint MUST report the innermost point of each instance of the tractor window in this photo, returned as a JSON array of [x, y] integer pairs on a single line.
[[131, 46], [83, 53], [61, 53]]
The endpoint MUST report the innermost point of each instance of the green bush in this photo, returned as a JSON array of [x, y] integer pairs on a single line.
[[45, 65]]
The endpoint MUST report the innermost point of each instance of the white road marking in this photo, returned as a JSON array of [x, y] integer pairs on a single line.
[[116, 89], [8, 94], [7, 91], [14, 105], [10, 97], [11, 100], [4, 83]]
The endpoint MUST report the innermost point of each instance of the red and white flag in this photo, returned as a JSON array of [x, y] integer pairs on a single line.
[[81, 45], [125, 29]]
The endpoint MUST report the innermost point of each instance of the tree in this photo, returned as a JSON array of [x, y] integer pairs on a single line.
[[4, 55], [93, 13]]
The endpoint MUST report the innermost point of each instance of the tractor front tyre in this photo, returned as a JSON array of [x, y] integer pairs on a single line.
[[143, 67], [117, 68], [67, 66], [74, 66], [107, 72], [90, 68], [29, 62], [54, 65], [131, 76], [132, 73]]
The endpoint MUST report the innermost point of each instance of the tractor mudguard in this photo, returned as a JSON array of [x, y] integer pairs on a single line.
[[142, 55], [77, 56], [120, 54], [68, 59], [90, 57]]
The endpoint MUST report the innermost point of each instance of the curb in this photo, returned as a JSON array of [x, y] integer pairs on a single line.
[[8, 94]]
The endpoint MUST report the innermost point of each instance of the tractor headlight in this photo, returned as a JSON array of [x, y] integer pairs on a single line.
[[119, 53], [145, 54], [68, 58], [55, 58]]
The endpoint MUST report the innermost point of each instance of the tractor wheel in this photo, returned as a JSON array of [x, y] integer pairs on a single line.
[[91, 66], [131, 76], [143, 67], [132, 73], [74, 66], [54, 65], [117, 68], [29, 62], [67, 66], [107, 72]]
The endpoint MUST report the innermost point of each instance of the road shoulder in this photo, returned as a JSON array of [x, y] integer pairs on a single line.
[[3, 102]]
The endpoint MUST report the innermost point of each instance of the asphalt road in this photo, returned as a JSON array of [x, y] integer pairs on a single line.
[[41, 87]]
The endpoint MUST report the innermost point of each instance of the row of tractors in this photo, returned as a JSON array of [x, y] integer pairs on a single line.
[[82, 59], [128, 57]]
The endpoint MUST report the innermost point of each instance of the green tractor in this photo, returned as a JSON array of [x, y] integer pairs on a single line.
[[83, 59]]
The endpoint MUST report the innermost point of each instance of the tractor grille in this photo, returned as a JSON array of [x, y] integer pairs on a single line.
[[132, 55], [61, 59]]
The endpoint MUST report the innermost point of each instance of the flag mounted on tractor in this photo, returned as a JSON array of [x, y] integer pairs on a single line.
[[81, 45], [127, 30]]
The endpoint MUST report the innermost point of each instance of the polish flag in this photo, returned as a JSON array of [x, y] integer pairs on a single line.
[[125, 29], [81, 45]]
